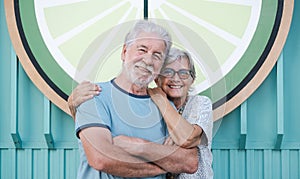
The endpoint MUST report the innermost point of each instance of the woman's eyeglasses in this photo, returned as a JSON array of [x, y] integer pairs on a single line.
[[169, 73]]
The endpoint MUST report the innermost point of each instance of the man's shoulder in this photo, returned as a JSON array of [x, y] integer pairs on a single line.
[[104, 84], [105, 87]]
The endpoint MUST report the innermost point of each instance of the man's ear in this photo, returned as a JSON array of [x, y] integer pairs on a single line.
[[123, 52]]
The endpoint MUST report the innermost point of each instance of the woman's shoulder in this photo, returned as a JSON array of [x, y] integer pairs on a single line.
[[200, 100]]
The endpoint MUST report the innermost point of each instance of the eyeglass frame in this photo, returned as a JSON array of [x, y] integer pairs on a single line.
[[178, 73]]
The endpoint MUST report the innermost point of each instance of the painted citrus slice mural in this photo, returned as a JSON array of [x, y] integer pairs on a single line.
[[234, 43]]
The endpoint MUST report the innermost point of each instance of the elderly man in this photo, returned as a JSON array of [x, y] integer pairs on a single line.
[[124, 108]]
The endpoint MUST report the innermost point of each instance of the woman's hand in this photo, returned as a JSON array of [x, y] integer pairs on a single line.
[[158, 96], [83, 92], [169, 141]]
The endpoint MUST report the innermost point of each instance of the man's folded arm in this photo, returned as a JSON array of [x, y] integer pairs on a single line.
[[171, 158], [104, 156]]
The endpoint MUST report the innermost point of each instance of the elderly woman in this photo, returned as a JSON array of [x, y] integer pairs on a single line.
[[189, 123]]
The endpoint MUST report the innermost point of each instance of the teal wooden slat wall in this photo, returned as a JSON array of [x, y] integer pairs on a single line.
[[260, 139]]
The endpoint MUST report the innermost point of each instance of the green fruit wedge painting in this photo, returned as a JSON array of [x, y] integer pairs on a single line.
[[234, 43]]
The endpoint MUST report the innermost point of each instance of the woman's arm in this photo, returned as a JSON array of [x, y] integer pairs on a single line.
[[181, 131], [83, 92], [165, 156]]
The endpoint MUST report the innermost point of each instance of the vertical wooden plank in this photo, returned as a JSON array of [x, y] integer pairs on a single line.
[[243, 125], [225, 169], [298, 169], [215, 164], [233, 164], [298, 163], [29, 162], [8, 164], [13, 172], [256, 170], [70, 163], [1, 163], [47, 124], [276, 164], [250, 164], [291, 56], [241, 167], [56, 163], [261, 112], [24, 163], [5, 81], [40, 163], [294, 164], [267, 162], [285, 164], [46, 154], [280, 103], [14, 104]]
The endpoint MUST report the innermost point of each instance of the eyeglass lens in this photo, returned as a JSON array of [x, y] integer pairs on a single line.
[[169, 73]]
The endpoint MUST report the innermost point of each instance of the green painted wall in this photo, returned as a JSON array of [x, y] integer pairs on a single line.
[[260, 139]]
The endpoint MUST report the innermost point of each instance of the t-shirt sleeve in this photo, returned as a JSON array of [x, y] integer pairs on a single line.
[[199, 111], [88, 115]]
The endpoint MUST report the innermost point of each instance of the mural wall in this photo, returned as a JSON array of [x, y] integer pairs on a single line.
[[258, 139]]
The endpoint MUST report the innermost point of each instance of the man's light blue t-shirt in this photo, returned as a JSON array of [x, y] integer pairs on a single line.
[[122, 113]]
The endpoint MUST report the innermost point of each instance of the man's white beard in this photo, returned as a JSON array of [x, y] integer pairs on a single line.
[[139, 79], [142, 82]]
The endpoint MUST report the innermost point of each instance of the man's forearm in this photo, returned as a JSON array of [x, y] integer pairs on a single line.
[[111, 159]]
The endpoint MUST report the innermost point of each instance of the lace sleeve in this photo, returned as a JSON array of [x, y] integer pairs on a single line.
[[198, 110]]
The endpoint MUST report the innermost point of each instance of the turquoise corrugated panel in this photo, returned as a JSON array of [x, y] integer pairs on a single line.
[[267, 160], [221, 163], [239, 164], [228, 134], [30, 113], [32, 119], [24, 163], [5, 79], [291, 55], [56, 160], [71, 163], [40, 163], [62, 129], [276, 164], [294, 164], [262, 115], [8, 163]]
